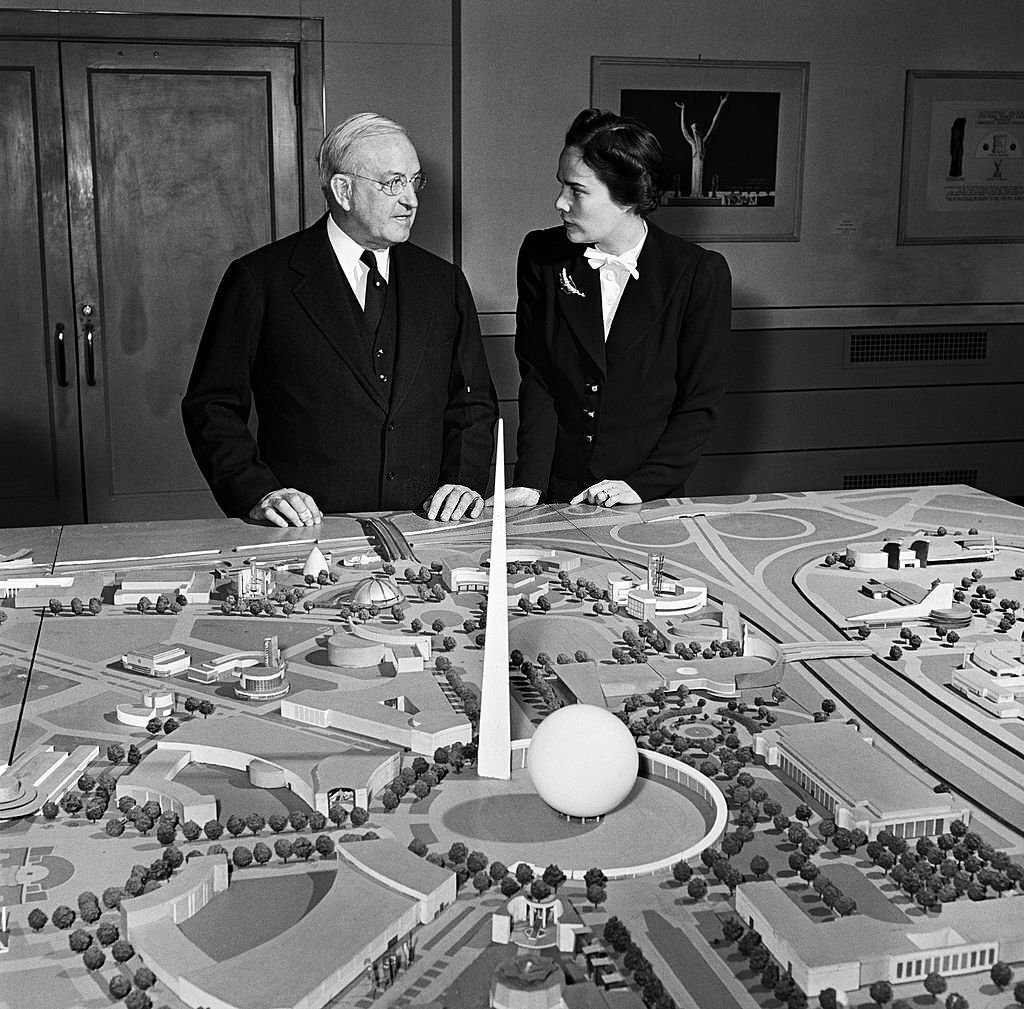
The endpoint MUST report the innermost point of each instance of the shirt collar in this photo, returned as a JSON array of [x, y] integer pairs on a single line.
[[347, 251], [630, 256], [627, 259]]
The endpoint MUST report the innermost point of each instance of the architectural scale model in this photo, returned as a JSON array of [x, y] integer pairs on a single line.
[[251, 768]]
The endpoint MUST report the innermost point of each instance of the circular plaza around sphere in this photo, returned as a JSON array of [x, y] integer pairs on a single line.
[[582, 760], [659, 821]]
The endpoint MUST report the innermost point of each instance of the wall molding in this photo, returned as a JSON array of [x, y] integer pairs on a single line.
[[835, 317]]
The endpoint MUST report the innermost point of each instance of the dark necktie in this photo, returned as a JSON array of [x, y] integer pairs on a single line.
[[376, 292]]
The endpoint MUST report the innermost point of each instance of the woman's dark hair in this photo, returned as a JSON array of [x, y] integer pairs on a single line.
[[623, 153]]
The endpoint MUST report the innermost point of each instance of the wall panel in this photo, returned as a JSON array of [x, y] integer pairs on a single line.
[[798, 415]]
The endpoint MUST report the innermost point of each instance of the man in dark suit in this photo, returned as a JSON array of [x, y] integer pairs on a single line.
[[361, 352]]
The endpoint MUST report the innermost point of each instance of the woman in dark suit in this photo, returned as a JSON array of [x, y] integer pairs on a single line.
[[620, 331]]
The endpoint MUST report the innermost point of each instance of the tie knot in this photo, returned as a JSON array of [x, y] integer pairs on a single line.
[[597, 259], [370, 261]]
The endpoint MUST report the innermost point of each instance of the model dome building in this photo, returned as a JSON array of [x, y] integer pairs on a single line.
[[377, 590]]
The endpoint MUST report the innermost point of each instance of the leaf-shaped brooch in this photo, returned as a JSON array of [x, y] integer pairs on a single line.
[[565, 282]]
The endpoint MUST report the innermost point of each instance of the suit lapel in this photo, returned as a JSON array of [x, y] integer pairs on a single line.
[[642, 300], [325, 296], [582, 311]]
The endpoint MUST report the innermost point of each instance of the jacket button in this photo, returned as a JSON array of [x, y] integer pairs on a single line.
[[589, 413], [593, 387], [391, 427], [588, 438], [391, 475]]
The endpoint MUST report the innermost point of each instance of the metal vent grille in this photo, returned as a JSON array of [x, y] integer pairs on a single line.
[[927, 477], [910, 348]]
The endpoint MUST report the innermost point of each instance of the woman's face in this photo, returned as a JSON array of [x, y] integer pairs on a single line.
[[590, 215]]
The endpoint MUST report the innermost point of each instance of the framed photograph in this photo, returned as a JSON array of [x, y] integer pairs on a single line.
[[733, 137], [963, 158]]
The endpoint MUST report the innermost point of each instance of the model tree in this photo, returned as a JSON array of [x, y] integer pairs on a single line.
[[1001, 974], [553, 876], [732, 929], [935, 984], [138, 1000], [119, 986], [682, 871], [107, 933], [697, 888], [880, 992], [37, 919]]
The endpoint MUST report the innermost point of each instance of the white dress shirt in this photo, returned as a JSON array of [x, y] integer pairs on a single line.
[[347, 253], [614, 279]]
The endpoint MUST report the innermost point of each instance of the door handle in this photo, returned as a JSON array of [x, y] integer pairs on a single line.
[[90, 354], [60, 355]]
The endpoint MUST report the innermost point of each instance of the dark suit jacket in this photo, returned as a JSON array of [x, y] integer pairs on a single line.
[[286, 332], [638, 408]]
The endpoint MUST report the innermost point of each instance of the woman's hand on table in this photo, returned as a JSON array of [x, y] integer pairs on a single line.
[[607, 493], [521, 497]]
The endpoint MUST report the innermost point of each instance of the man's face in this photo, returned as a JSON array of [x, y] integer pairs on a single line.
[[371, 217]]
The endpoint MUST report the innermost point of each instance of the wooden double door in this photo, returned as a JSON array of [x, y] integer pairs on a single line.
[[131, 173]]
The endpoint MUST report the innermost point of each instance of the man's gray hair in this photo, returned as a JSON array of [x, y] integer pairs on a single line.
[[335, 151]]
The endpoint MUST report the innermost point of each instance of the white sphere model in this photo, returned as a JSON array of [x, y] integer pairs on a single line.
[[582, 760]]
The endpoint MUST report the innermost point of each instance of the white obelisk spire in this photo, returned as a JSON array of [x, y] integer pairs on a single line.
[[494, 752]]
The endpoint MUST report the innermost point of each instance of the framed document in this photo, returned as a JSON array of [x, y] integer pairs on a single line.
[[963, 158]]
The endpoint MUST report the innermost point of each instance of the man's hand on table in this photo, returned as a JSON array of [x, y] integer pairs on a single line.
[[286, 507], [453, 502]]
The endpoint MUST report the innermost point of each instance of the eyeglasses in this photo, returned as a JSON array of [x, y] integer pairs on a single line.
[[395, 186]]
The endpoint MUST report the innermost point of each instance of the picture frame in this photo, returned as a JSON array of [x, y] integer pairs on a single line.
[[962, 177], [735, 165]]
